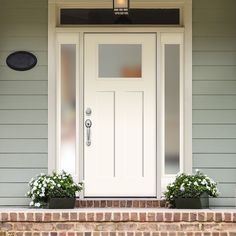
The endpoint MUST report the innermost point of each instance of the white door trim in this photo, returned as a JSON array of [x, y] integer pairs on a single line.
[[187, 70]]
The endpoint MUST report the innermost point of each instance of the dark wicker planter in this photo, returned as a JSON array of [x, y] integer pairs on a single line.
[[61, 203], [193, 203]]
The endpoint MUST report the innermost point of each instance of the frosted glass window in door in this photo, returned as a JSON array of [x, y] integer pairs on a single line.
[[120, 60], [68, 107], [172, 111]]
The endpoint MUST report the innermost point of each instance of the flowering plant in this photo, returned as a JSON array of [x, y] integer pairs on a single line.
[[44, 187], [190, 186]]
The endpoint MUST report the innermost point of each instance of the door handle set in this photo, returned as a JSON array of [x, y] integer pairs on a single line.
[[88, 124]]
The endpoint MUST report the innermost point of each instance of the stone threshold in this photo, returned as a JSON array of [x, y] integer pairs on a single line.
[[120, 203]]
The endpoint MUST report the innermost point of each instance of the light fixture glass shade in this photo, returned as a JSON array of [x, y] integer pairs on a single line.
[[121, 6]]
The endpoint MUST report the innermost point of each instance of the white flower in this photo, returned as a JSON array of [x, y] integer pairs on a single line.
[[37, 204], [182, 188], [204, 182], [195, 183], [31, 203], [212, 182], [36, 183], [58, 185]]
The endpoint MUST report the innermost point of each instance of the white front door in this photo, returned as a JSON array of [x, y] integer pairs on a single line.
[[120, 102]]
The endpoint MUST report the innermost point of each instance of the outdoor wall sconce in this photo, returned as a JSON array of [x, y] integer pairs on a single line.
[[121, 7]]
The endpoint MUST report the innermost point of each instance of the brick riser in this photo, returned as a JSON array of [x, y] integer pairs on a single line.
[[82, 223], [120, 203]]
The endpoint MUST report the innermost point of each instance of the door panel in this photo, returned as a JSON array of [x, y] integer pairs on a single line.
[[121, 160]]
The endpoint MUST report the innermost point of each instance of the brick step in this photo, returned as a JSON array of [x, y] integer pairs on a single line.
[[123, 222], [120, 203]]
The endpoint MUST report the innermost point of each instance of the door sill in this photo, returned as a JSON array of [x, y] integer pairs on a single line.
[[120, 203]]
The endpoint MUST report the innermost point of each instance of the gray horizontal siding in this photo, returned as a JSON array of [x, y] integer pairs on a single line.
[[27, 29], [214, 117], [213, 131], [214, 29], [21, 15], [13, 189], [23, 145], [216, 160], [38, 73], [223, 5], [19, 175], [213, 16], [209, 58], [25, 160], [220, 72], [206, 102], [23, 99], [23, 4], [34, 43], [222, 202], [214, 87], [217, 45], [214, 145], [23, 131], [14, 201], [23, 87], [36, 117], [24, 102], [214, 95]]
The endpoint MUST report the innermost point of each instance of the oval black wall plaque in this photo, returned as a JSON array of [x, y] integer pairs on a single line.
[[21, 60]]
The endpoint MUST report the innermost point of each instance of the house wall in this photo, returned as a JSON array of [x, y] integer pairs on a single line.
[[23, 98], [214, 94]]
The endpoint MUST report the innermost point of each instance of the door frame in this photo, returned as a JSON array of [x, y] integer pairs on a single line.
[[186, 94]]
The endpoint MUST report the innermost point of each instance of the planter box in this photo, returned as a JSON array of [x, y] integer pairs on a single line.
[[61, 203], [193, 203]]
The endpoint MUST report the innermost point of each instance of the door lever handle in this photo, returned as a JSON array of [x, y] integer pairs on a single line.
[[88, 124]]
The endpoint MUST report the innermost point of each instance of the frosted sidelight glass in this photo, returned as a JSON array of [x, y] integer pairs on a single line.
[[68, 107], [120, 60], [172, 112]]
